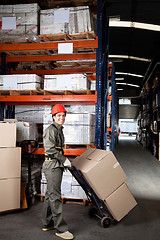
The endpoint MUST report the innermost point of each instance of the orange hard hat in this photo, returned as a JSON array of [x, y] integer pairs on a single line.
[[57, 109]]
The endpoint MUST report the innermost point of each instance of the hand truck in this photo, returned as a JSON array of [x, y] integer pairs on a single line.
[[98, 207]]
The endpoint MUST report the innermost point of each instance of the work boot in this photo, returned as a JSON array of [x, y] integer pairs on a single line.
[[47, 227], [65, 235]]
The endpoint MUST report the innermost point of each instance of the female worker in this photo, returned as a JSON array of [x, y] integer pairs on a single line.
[[53, 167]]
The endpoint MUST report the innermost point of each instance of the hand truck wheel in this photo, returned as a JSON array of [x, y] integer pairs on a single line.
[[105, 222]]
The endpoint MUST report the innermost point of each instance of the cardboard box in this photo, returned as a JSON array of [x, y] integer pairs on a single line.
[[120, 202], [9, 194], [101, 170], [10, 162], [7, 134]]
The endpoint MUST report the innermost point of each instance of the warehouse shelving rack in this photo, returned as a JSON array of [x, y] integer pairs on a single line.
[[68, 99], [17, 52]]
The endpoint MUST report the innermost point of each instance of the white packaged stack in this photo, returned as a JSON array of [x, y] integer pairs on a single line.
[[32, 113], [26, 19], [79, 128], [70, 187], [26, 131], [80, 108], [66, 82], [93, 85], [66, 20], [43, 185], [20, 82]]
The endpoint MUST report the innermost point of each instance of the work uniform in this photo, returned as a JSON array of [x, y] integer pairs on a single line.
[[53, 140]]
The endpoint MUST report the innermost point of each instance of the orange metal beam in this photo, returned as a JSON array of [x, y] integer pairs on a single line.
[[87, 43], [67, 152], [109, 98], [56, 71], [56, 57], [49, 99], [92, 77]]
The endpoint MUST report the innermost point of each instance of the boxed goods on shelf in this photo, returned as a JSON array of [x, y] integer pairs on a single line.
[[26, 131], [93, 85], [19, 20], [79, 128], [68, 20], [35, 177], [79, 134], [70, 188], [32, 113], [66, 82], [20, 82], [80, 108]]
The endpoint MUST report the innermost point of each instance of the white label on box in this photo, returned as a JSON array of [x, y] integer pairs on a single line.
[[8, 23], [116, 165], [65, 48], [61, 16], [10, 82]]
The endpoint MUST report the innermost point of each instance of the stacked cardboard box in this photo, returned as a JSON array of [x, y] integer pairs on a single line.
[[66, 82], [66, 20], [105, 176], [10, 171], [19, 21], [20, 82]]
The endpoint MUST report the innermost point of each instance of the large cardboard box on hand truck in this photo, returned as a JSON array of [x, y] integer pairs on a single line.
[[120, 202], [103, 173], [101, 170]]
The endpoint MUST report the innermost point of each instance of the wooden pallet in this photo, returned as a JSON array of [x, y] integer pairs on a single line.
[[79, 146], [66, 37], [81, 201], [20, 92], [46, 92], [68, 92]]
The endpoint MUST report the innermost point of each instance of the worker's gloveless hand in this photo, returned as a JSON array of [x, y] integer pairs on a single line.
[[67, 163]]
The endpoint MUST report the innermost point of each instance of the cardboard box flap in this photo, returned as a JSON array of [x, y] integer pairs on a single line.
[[88, 152], [97, 155]]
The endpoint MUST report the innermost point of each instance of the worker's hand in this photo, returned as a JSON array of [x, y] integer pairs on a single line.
[[67, 163]]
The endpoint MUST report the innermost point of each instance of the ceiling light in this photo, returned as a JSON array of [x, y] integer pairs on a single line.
[[128, 74], [128, 84], [119, 79], [145, 26], [130, 57]]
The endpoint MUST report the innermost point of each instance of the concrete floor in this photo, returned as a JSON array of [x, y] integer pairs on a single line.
[[143, 222]]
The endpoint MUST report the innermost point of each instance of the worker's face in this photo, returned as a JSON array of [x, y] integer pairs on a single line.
[[59, 118]]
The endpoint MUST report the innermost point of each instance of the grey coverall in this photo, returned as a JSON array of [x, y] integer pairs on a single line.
[[53, 140]]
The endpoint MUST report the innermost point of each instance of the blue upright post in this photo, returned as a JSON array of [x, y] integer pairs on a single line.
[[113, 111], [98, 116], [3, 64]]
